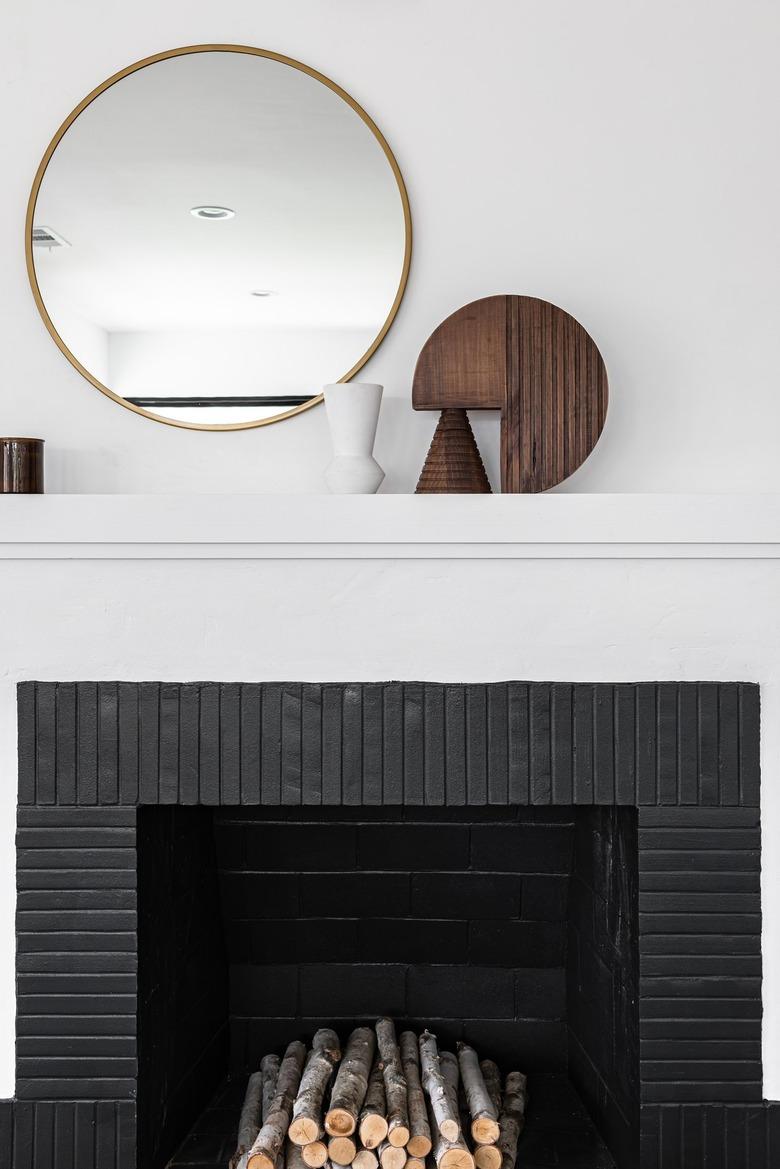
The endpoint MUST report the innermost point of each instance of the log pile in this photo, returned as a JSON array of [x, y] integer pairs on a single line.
[[389, 1102]]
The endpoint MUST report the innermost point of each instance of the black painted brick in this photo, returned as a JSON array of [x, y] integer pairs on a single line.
[[74, 1135], [331, 746], [355, 989], [537, 742], [517, 943], [413, 743], [294, 847], [46, 755], [540, 994], [372, 732], [264, 990], [294, 940], [110, 1023], [463, 988], [545, 898], [409, 940], [410, 847], [537, 849], [474, 894], [355, 894], [700, 953], [687, 753]]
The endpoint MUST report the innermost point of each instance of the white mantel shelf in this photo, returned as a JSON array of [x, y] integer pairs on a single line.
[[195, 527]]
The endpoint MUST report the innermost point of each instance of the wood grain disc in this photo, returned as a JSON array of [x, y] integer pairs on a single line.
[[533, 362]]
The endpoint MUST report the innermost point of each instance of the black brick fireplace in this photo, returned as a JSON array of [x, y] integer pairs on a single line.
[[567, 875]]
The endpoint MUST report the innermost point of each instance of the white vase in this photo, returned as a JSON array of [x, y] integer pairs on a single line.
[[353, 412]]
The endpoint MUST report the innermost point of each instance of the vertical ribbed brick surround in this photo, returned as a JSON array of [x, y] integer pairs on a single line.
[[686, 755], [371, 744]]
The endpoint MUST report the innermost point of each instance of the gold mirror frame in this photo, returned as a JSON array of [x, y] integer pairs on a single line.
[[142, 64]]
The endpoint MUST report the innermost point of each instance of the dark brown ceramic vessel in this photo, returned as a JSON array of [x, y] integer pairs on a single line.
[[21, 466]]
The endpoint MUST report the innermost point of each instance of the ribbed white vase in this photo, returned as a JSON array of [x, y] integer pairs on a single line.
[[353, 412]]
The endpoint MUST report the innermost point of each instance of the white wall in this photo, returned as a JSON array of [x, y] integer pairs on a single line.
[[615, 156], [87, 340]]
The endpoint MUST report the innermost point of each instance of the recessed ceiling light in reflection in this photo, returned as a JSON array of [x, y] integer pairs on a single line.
[[212, 212]]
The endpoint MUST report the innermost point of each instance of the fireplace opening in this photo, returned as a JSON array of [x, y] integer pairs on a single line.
[[514, 929]]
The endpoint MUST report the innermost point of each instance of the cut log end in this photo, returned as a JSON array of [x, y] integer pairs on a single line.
[[487, 1157], [365, 1159], [485, 1131], [342, 1150], [418, 1146], [303, 1130], [260, 1161], [398, 1136], [392, 1156], [315, 1155], [339, 1123], [449, 1129], [373, 1130], [456, 1158]]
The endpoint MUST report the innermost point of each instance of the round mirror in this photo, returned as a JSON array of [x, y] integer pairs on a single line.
[[215, 233]]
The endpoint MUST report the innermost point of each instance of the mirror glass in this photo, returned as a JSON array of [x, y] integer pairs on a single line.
[[217, 233]]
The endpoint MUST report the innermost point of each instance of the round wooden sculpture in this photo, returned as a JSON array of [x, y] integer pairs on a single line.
[[533, 362]]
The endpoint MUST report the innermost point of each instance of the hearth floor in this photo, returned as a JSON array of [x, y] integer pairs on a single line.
[[558, 1134]]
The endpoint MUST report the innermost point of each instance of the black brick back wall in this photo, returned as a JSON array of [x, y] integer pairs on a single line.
[[456, 921]]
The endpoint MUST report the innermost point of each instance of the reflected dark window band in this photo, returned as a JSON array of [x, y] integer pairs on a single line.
[[205, 403]]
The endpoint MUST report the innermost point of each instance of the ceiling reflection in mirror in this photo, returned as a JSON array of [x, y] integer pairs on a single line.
[[217, 234]]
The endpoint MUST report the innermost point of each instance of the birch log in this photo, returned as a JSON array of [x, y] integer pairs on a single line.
[[449, 1154], [292, 1157], [270, 1140], [445, 1118], [391, 1156], [349, 1089], [451, 1074], [342, 1150], [512, 1118], [373, 1119], [484, 1117], [315, 1155], [489, 1156], [251, 1119], [269, 1069], [492, 1077], [395, 1084], [306, 1125], [365, 1159], [419, 1144], [515, 1093]]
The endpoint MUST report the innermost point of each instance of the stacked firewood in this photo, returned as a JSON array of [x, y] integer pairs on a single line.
[[395, 1103]]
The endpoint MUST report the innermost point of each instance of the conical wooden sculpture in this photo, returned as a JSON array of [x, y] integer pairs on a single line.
[[454, 464]]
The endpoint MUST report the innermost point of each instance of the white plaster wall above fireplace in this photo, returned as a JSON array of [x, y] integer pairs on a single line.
[[613, 158], [637, 590]]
